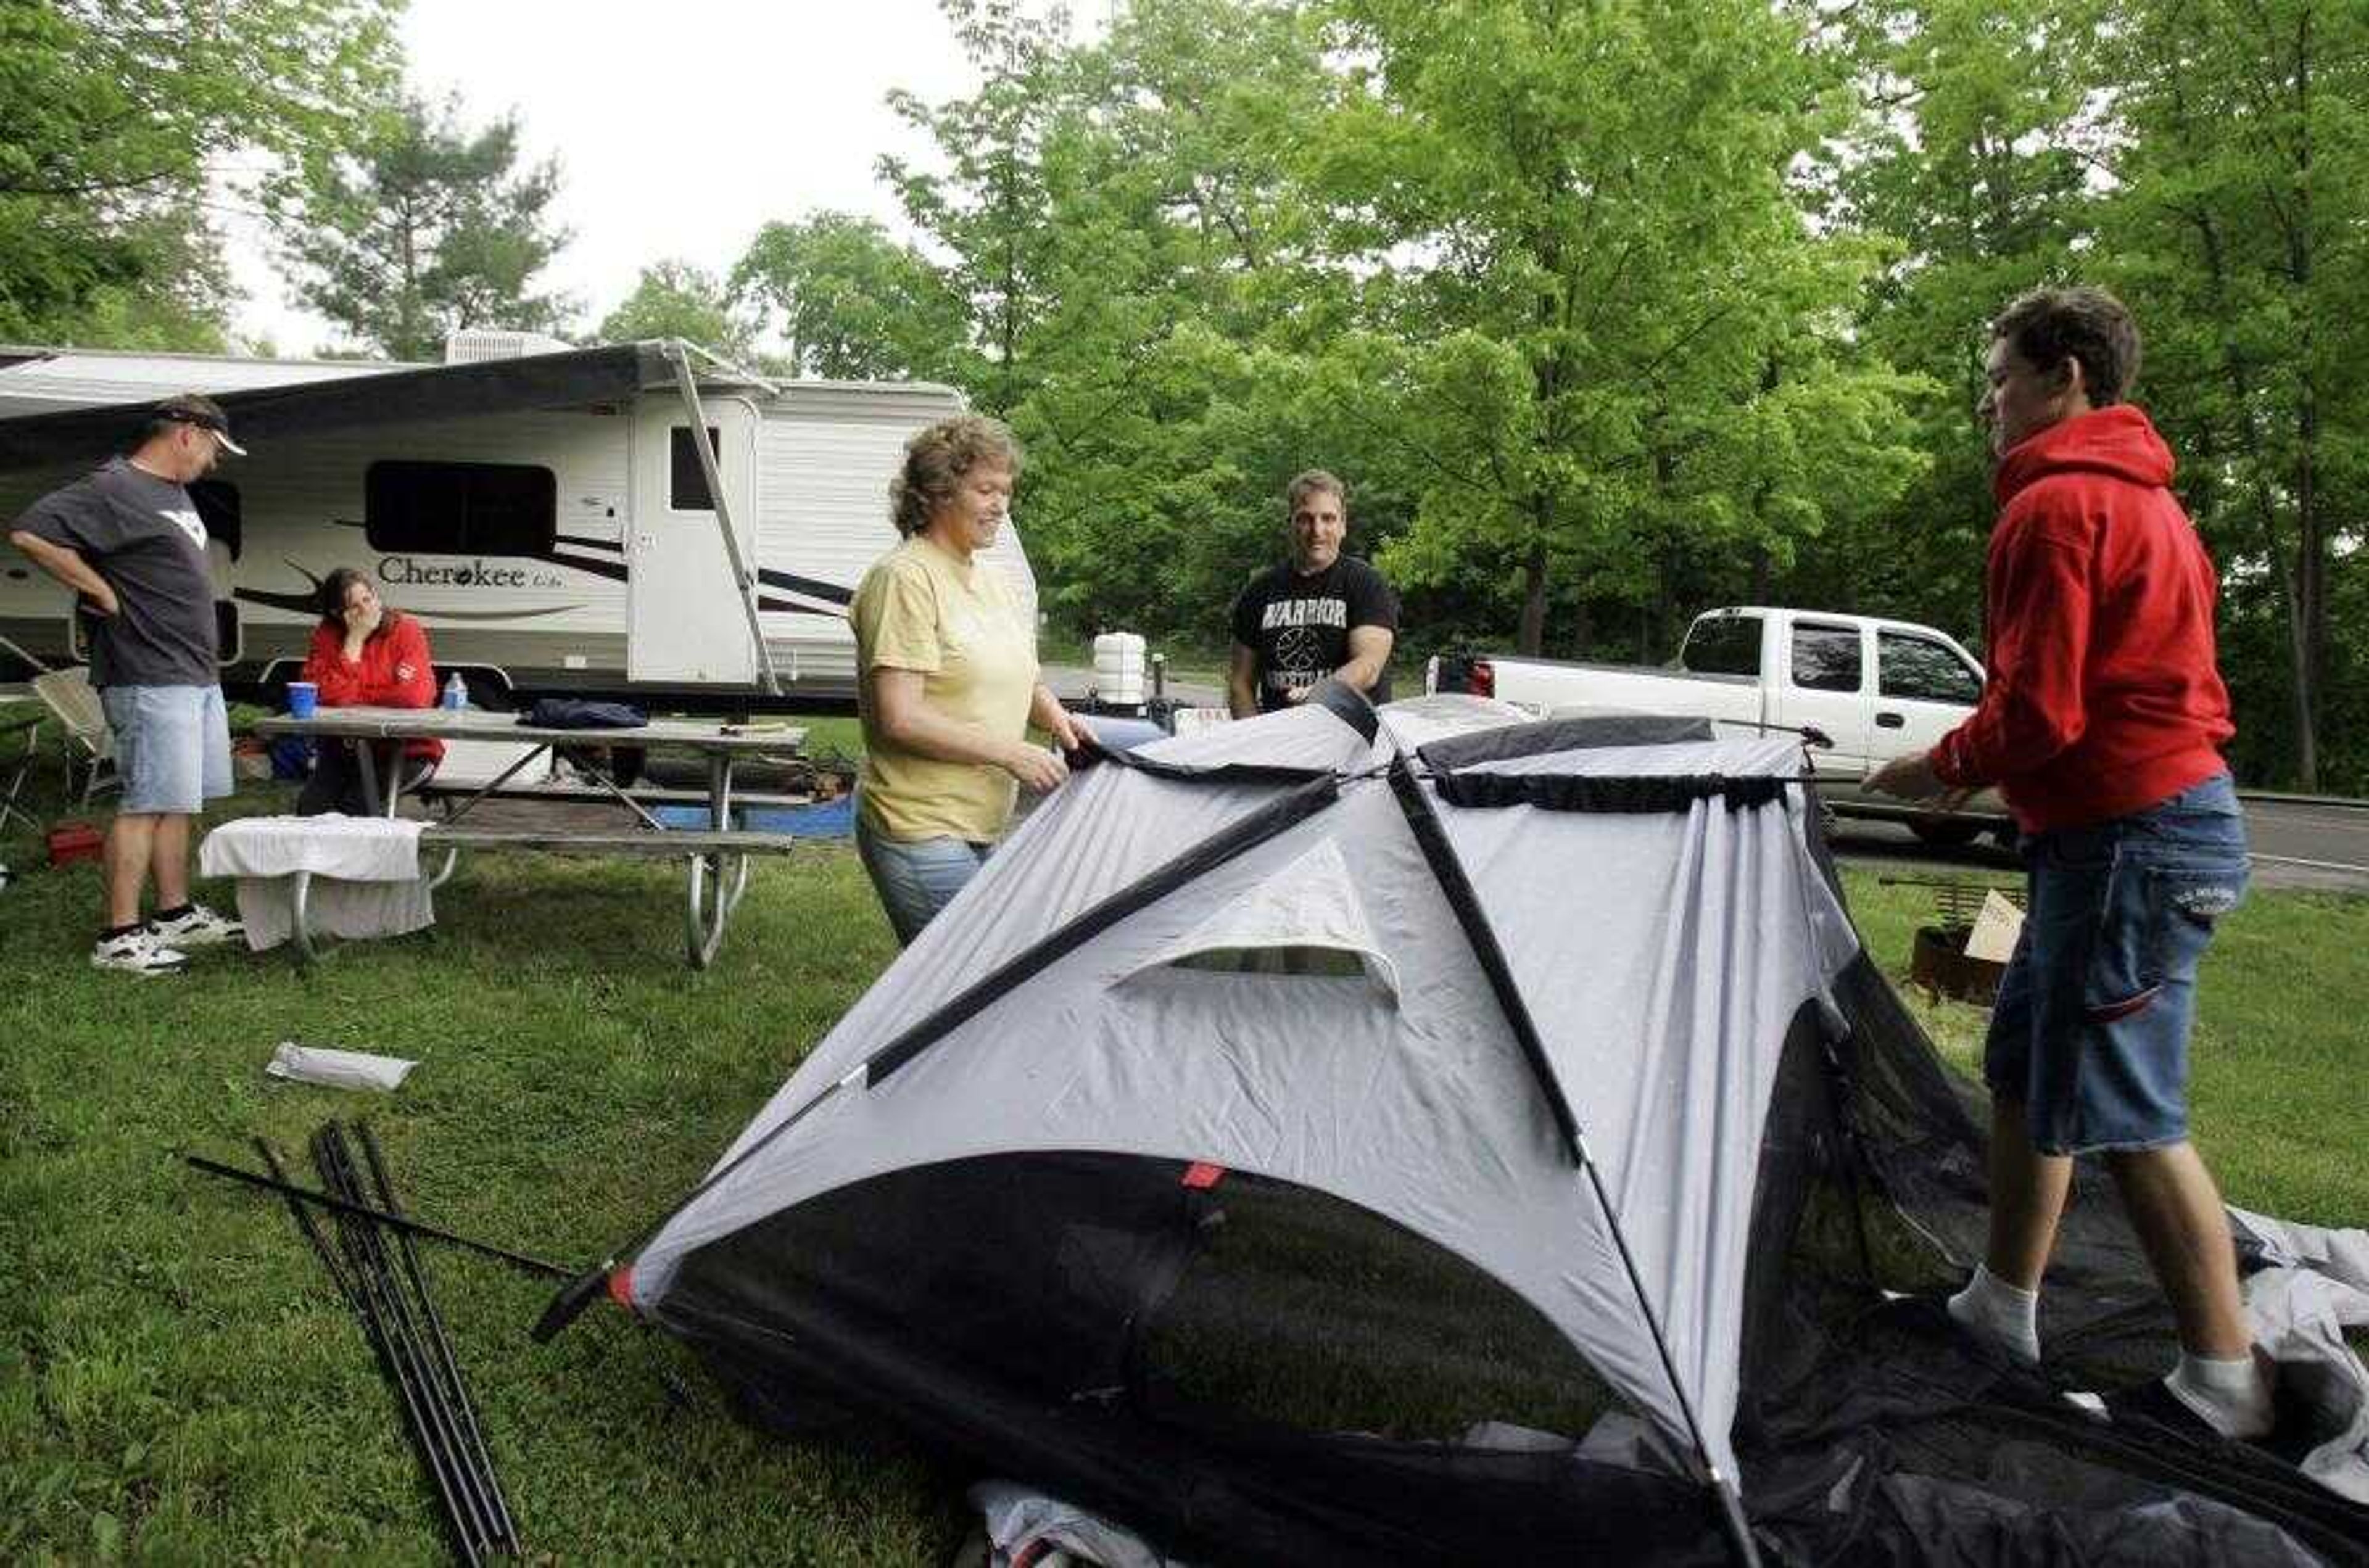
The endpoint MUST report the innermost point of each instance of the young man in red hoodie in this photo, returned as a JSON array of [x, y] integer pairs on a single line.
[[2101, 723]]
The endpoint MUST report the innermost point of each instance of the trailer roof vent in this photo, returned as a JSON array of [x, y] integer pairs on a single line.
[[476, 345]]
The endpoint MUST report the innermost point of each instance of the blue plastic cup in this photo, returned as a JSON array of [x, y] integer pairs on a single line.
[[304, 699]]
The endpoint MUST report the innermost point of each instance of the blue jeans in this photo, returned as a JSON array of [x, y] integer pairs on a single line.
[[916, 877], [2090, 1029]]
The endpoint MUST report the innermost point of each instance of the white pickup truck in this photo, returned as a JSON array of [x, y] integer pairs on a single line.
[[1874, 689]]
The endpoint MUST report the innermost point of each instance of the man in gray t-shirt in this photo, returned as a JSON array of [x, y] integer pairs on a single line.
[[129, 542]]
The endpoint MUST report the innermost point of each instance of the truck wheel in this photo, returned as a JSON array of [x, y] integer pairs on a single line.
[[1946, 835]]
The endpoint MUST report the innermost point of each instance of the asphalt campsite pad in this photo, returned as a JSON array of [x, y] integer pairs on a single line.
[[178, 1381]]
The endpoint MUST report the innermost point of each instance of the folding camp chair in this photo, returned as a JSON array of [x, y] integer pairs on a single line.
[[90, 747], [26, 729]]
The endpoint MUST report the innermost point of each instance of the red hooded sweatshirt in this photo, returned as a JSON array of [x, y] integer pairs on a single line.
[[2103, 697], [393, 673]]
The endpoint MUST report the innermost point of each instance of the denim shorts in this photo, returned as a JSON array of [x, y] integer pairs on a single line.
[[2090, 1029], [172, 747], [916, 877]]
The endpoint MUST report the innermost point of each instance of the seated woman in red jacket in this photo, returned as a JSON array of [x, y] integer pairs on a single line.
[[365, 655]]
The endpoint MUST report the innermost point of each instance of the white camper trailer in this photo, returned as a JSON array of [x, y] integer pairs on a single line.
[[548, 515]]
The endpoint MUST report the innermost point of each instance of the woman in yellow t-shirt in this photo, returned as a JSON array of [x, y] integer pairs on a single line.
[[946, 655]]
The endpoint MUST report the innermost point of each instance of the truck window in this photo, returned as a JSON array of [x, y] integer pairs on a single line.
[[1722, 644], [1825, 659], [461, 508], [1922, 670]]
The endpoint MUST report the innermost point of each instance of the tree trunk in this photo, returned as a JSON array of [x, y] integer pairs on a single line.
[[1533, 632], [2298, 579], [2310, 639]]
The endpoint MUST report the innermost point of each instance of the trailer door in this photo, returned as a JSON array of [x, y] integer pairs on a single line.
[[687, 622]]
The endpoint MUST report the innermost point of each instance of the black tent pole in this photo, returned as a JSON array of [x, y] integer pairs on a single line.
[[444, 1427], [505, 1530], [381, 1333], [363, 1212], [303, 1216], [1464, 901]]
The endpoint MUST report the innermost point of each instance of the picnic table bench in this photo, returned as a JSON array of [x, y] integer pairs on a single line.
[[439, 792], [718, 869], [717, 856]]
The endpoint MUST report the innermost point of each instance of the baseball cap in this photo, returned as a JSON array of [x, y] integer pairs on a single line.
[[203, 412]]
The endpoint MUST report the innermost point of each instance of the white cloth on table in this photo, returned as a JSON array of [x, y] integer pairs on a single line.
[[366, 879]]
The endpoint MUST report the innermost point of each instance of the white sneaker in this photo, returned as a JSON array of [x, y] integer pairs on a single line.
[[139, 953], [199, 928]]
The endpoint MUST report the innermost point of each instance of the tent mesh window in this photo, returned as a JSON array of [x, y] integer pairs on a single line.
[[1308, 1312], [1340, 963], [1278, 1365]]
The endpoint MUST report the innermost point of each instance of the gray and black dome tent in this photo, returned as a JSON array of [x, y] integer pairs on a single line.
[[1423, 1136]]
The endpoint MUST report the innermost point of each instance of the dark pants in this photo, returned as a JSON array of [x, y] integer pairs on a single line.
[[337, 781]]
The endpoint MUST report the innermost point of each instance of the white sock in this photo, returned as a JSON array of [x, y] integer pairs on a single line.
[[2232, 1397], [2007, 1315]]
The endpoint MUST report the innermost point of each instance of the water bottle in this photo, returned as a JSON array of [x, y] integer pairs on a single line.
[[456, 692]]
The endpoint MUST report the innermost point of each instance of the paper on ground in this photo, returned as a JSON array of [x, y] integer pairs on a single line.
[[1996, 929], [338, 1069]]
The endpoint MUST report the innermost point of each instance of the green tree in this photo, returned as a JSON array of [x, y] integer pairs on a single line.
[[851, 302], [1612, 328], [675, 298], [424, 229], [2238, 227], [986, 206], [108, 117], [1166, 367], [1971, 158]]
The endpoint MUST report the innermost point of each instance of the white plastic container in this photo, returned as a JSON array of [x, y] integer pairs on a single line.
[[1118, 669]]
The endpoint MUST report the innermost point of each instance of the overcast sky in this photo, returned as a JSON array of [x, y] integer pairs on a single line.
[[680, 128]]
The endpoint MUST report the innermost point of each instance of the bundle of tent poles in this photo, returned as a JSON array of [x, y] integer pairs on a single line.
[[385, 1284]]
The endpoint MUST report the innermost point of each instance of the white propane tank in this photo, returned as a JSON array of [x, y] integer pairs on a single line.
[[1118, 669]]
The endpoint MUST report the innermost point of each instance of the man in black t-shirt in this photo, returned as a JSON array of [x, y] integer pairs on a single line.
[[127, 540], [1319, 614]]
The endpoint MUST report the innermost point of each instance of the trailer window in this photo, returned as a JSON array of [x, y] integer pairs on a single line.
[[1825, 659], [1723, 645], [1920, 669], [461, 508], [686, 481], [218, 508]]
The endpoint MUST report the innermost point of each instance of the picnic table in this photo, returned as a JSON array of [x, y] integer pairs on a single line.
[[717, 857]]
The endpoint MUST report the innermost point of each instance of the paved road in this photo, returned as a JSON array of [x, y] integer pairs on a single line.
[[1071, 680], [2308, 844], [2296, 843]]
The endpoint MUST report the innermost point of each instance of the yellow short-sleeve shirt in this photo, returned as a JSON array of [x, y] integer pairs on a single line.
[[960, 626]]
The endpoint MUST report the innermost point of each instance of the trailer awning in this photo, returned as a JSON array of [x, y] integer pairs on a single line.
[[259, 416]]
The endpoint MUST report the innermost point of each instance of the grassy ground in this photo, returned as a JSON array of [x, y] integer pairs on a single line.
[[179, 1384], [2282, 1042]]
